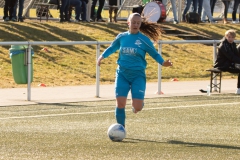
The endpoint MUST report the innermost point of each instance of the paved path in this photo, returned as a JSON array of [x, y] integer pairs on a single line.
[[19, 96]]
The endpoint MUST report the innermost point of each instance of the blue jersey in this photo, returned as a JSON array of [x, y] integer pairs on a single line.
[[133, 49]]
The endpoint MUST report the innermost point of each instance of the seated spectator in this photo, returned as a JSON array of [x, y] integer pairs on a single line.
[[8, 10], [228, 56], [77, 4], [84, 10]]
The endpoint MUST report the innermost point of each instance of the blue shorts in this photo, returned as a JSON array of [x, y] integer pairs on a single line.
[[124, 84]]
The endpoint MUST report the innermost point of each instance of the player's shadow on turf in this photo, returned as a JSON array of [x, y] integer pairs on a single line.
[[190, 144]]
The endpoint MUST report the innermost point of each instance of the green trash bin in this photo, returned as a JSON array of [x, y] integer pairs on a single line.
[[145, 1], [18, 55]]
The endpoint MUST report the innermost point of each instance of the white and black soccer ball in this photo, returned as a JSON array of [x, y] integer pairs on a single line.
[[116, 132]]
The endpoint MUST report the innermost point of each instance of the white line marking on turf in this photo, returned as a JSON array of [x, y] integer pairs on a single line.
[[82, 113]]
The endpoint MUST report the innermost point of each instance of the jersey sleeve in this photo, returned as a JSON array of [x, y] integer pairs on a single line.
[[115, 45]]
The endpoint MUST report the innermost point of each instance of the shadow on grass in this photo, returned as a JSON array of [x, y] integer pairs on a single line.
[[195, 29], [134, 140], [190, 144]]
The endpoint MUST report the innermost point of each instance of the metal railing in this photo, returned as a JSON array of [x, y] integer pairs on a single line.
[[98, 45]]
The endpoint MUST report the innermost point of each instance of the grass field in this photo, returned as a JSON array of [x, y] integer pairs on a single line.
[[194, 127]]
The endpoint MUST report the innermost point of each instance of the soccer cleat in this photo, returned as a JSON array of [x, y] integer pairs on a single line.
[[238, 91], [234, 22]]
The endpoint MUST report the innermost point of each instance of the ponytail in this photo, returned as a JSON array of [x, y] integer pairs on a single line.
[[152, 30]]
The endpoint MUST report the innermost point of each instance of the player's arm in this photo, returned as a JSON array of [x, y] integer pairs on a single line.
[[115, 45], [155, 55]]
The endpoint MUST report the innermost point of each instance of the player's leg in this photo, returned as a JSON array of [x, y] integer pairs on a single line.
[[138, 88], [122, 88]]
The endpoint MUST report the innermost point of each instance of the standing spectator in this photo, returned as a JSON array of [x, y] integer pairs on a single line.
[[199, 7], [77, 5], [18, 4], [174, 10], [173, 2], [97, 17], [84, 10], [113, 7], [212, 5], [207, 11], [8, 10], [226, 6], [64, 8], [235, 8], [187, 7], [200, 4]]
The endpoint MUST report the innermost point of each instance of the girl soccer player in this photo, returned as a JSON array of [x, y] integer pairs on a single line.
[[130, 74]]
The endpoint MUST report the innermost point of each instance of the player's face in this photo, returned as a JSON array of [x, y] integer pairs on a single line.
[[134, 24], [230, 38]]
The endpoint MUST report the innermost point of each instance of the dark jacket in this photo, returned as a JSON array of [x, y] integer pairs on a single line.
[[228, 54]]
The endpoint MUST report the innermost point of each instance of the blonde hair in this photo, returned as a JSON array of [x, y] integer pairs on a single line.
[[230, 32], [152, 30]]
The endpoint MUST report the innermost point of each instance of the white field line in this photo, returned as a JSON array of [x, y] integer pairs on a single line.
[[99, 112]]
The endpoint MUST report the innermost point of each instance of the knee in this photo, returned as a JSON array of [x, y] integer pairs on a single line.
[[121, 104], [138, 107]]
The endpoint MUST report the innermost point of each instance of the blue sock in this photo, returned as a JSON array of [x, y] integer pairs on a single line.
[[120, 115]]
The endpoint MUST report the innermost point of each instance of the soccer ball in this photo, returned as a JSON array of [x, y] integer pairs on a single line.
[[116, 132]]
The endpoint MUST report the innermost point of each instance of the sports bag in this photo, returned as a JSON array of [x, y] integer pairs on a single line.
[[192, 17]]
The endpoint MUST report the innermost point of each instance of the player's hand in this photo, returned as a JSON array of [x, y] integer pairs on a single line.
[[99, 60], [167, 63]]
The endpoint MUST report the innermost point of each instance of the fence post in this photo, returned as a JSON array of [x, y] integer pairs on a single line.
[[214, 59], [29, 67], [97, 72]]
